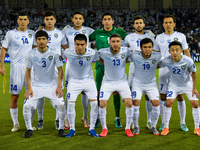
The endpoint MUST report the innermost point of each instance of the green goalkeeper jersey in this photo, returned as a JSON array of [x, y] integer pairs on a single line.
[[102, 40]]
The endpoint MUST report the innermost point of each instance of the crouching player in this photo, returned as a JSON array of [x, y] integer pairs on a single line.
[[180, 67], [81, 80], [114, 79], [44, 60], [144, 81]]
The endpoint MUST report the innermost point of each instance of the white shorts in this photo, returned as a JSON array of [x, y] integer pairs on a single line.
[[174, 91], [131, 73], [66, 74], [39, 92], [17, 78], [75, 87], [164, 76], [107, 88], [149, 89]]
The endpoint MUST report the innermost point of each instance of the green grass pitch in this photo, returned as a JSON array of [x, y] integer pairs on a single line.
[[48, 138]]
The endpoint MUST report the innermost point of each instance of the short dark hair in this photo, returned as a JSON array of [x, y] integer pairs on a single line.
[[41, 33], [79, 13], [107, 14], [80, 37], [49, 13], [175, 43], [170, 16], [115, 35], [145, 41], [22, 14], [137, 18]]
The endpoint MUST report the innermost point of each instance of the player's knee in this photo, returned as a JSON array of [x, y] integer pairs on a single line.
[[194, 103], [115, 93], [103, 104], [169, 104], [136, 102], [155, 103], [60, 107]]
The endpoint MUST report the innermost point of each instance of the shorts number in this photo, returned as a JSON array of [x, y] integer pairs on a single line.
[[134, 94], [116, 62], [13, 87], [68, 96], [169, 93], [44, 63], [146, 66], [176, 71], [101, 94], [81, 63], [161, 86], [25, 101], [25, 40], [66, 83]]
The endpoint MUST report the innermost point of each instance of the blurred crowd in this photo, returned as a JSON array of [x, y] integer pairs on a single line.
[[188, 20]]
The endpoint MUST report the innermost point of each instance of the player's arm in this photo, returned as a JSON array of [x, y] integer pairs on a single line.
[[101, 61], [34, 46], [59, 91], [3, 54], [65, 46], [194, 90], [187, 52], [28, 81]]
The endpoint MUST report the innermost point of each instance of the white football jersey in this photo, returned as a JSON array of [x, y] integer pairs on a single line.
[[80, 65], [70, 33], [145, 68], [179, 71], [114, 64], [44, 66], [19, 44], [163, 40], [56, 39]]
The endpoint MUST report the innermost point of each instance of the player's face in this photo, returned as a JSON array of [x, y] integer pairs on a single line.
[[80, 46], [107, 21], [78, 20], [169, 24], [147, 49], [23, 22], [42, 42], [49, 21], [175, 51], [115, 44], [139, 25]]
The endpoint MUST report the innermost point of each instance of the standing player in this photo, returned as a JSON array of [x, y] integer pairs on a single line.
[[43, 59], [180, 67], [133, 40], [114, 79], [57, 40], [162, 44], [144, 81], [19, 41], [70, 33], [81, 79], [101, 36]]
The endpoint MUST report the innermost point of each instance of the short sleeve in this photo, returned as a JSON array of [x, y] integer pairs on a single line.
[[156, 46], [192, 67], [122, 33], [28, 61], [64, 39], [92, 36], [184, 43], [7, 40], [58, 60], [162, 64], [96, 56]]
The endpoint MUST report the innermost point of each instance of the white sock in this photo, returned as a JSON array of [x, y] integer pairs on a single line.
[[136, 114], [199, 114], [93, 114], [155, 115], [66, 102], [71, 115], [162, 107], [57, 115], [148, 109], [40, 107], [182, 111], [32, 114], [195, 113], [129, 116], [85, 103], [27, 117], [61, 113], [167, 116], [102, 117], [14, 115]]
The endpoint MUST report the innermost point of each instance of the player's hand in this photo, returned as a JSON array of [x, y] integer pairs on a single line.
[[28, 93], [59, 92], [2, 70], [40, 28], [65, 28], [194, 91]]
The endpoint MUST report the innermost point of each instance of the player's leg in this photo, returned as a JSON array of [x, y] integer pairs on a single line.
[[40, 107], [117, 106], [66, 126], [149, 110], [136, 113], [85, 103]]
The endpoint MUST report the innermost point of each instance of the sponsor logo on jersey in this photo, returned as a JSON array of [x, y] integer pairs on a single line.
[[123, 56], [132, 40], [162, 40], [36, 58], [30, 36], [50, 58], [138, 62], [169, 67], [70, 33], [153, 61], [175, 39], [88, 58], [16, 36], [107, 58], [83, 31], [183, 67], [56, 35]]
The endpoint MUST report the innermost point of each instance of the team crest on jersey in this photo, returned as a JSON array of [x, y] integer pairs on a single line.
[[50, 58], [183, 67], [175, 39], [83, 31], [153, 61], [88, 58], [56, 35], [16, 36], [123, 56], [30, 36]]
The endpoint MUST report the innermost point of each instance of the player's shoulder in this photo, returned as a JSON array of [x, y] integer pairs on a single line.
[[104, 49], [176, 33], [90, 50], [69, 50], [13, 31], [125, 48], [157, 54], [160, 35], [187, 59], [30, 31], [167, 59], [69, 30]]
